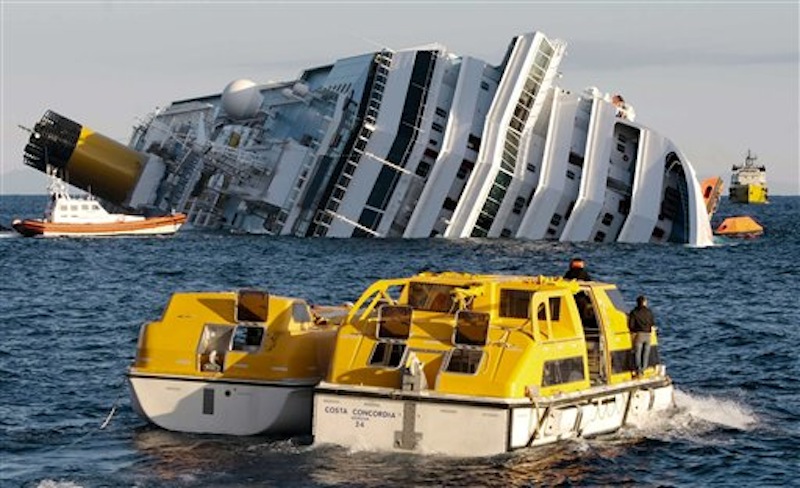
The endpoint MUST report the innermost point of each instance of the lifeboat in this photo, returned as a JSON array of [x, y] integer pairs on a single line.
[[241, 363], [83, 216], [472, 365], [743, 226]]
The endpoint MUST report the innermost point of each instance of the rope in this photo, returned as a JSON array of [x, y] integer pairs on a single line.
[[105, 422]]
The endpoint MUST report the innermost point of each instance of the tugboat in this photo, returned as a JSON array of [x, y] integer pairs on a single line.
[[239, 363], [473, 365], [749, 182]]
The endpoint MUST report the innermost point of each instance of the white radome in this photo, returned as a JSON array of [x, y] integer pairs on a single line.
[[241, 99]]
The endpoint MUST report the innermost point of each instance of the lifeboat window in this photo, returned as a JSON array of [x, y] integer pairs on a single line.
[[431, 297], [214, 342], [394, 322], [616, 298], [247, 338], [387, 354], [561, 371], [300, 312], [466, 361], [252, 306], [472, 328], [515, 303]]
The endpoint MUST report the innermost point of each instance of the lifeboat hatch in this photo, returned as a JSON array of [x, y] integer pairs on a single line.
[[595, 349]]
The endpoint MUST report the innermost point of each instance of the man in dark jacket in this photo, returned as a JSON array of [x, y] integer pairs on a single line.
[[641, 323], [577, 270]]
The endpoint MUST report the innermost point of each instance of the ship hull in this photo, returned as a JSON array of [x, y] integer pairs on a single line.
[[376, 419], [149, 226], [756, 194], [223, 407]]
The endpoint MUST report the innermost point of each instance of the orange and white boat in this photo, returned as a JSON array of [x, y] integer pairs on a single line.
[[83, 216]]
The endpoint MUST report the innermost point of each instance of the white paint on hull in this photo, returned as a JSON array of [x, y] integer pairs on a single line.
[[188, 405], [476, 426]]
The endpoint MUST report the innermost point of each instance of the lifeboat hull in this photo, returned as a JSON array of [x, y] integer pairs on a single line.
[[223, 407], [150, 226], [363, 418]]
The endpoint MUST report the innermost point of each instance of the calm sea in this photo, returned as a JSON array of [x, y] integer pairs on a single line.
[[71, 311]]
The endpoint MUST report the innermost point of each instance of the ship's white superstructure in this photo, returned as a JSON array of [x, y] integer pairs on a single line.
[[417, 143]]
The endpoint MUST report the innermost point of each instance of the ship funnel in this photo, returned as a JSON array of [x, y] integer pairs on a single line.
[[88, 160]]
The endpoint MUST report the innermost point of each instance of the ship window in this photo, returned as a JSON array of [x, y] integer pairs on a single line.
[[473, 142], [531, 167], [515, 303], [555, 220], [62, 207], [252, 306], [388, 354], [484, 85], [430, 297], [607, 219], [472, 328], [74, 208], [620, 148], [449, 204], [422, 169], [247, 338], [658, 232], [437, 127], [505, 233], [394, 322], [464, 169], [600, 236], [570, 174], [441, 112], [466, 361], [519, 203]]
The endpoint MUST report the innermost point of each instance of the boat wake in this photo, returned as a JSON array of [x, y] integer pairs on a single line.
[[695, 416], [715, 411]]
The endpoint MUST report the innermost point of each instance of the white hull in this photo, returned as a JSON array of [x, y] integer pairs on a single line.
[[223, 407], [378, 419], [154, 231]]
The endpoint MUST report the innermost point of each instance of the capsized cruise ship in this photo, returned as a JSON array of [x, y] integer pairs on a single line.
[[411, 143]]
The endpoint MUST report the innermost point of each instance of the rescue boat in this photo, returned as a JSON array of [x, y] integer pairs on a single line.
[[239, 363], [83, 216], [472, 365]]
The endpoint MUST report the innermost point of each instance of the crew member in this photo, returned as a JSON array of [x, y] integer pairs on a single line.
[[641, 323], [577, 270]]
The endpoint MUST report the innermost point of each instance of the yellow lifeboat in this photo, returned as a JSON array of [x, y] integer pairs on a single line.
[[470, 365], [241, 363], [742, 226]]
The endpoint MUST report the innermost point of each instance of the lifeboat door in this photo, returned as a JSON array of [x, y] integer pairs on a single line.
[[595, 346]]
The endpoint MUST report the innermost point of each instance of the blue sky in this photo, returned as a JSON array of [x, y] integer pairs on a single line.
[[718, 78]]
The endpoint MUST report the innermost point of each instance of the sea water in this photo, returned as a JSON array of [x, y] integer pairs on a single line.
[[71, 311]]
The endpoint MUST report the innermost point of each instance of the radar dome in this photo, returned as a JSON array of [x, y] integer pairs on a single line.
[[241, 99]]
